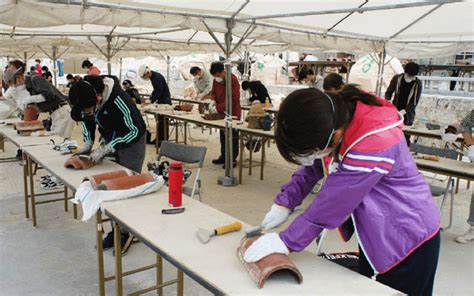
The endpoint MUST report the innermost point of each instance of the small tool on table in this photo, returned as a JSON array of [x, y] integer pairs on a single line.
[[205, 235], [172, 211]]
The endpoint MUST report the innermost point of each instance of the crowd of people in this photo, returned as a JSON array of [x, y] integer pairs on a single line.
[[334, 130]]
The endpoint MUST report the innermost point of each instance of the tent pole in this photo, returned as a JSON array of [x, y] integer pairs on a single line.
[[228, 179], [55, 70], [378, 87], [120, 73], [109, 55], [168, 63]]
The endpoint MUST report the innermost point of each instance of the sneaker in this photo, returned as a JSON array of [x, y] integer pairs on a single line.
[[220, 160], [466, 237], [108, 241]]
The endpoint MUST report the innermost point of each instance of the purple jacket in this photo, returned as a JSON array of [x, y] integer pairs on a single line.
[[376, 192]]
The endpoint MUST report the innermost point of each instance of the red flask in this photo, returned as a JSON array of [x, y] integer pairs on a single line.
[[175, 184]]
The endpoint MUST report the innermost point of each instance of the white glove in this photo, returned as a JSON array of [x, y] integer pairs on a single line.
[[84, 151], [470, 152], [267, 244], [99, 154], [449, 137], [275, 217]]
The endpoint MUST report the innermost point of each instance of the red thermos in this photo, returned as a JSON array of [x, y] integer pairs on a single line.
[[175, 184]]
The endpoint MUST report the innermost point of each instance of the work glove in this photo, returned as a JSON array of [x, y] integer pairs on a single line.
[[470, 152], [275, 217], [449, 137], [265, 245], [86, 150], [101, 152]]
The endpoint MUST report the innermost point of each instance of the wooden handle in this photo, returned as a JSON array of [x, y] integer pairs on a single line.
[[431, 157], [236, 226]]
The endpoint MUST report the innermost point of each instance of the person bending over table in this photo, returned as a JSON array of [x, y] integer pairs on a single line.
[[258, 91], [374, 188], [100, 101], [218, 94], [333, 83], [202, 82], [160, 95]]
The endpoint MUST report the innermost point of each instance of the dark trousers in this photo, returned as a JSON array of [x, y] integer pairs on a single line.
[[414, 275], [160, 136], [235, 144], [407, 138]]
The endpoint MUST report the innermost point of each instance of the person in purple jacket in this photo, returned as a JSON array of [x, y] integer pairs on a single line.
[[375, 190]]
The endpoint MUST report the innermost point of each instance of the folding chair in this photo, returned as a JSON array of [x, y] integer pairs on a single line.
[[437, 191], [189, 155]]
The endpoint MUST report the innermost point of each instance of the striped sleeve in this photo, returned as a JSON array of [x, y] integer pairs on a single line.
[[127, 118], [88, 132], [367, 163]]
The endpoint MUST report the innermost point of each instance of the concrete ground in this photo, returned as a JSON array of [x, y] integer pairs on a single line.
[[59, 258]]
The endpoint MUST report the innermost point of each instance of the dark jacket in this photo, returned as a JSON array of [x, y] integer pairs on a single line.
[[414, 94], [161, 92], [38, 85], [120, 122], [258, 92], [133, 94]]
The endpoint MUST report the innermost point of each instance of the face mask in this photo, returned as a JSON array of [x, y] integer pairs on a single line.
[[409, 78], [218, 79]]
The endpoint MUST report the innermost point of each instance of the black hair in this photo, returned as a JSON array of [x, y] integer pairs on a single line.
[[245, 85], [412, 68], [306, 118], [44, 68], [194, 70], [216, 67], [38, 60], [32, 68], [47, 74], [83, 94], [86, 64], [69, 76], [127, 81], [333, 81], [18, 64], [304, 71]]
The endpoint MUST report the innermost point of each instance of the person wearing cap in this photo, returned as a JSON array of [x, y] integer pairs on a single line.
[[312, 79], [161, 93], [130, 89], [202, 82], [91, 69], [218, 94], [44, 97]]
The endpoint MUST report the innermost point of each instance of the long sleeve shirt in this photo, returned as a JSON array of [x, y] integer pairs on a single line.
[[218, 94], [203, 85], [161, 93]]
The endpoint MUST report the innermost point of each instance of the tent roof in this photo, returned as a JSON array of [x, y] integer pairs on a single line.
[[408, 28]]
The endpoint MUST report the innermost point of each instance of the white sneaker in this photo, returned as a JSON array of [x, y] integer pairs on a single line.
[[466, 237]]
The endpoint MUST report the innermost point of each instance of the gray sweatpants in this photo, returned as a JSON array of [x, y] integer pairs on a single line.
[[470, 220], [132, 156]]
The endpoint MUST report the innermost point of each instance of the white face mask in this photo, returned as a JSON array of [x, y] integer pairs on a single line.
[[219, 79], [309, 159], [409, 78]]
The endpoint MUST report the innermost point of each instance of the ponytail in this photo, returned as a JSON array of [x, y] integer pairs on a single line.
[[351, 94]]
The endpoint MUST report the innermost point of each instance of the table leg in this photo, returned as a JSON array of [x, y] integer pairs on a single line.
[[180, 291], [65, 198], [262, 160], [241, 156], [2, 143], [157, 147], [185, 133], [176, 134], [167, 128], [32, 190], [118, 260], [100, 253], [25, 185], [250, 154], [159, 274]]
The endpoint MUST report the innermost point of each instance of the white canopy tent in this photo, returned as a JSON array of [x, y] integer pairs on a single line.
[[111, 28]]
